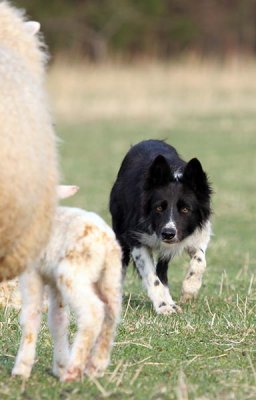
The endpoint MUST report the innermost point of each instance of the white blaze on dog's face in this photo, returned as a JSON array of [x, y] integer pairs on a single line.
[[65, 191], [32, 27]]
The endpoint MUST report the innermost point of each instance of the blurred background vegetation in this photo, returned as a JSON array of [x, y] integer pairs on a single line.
[[131, 29]]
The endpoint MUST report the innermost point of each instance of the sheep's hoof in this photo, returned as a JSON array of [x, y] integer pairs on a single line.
[[21, 370], [72, 374], [96, 366]]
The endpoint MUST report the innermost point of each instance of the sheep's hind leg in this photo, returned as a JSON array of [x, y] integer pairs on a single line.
[[77, 291], [58, 324], [32, 298], [110, 292]]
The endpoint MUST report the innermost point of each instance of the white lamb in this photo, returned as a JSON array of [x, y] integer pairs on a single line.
[[82, 267], [28, 162]]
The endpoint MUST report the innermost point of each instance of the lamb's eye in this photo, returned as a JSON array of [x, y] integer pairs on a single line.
[[159, 209], [184, 210]]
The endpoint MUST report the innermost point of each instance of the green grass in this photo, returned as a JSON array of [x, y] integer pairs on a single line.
[[207, 352]]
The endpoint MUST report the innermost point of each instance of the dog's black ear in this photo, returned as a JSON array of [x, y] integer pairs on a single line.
[[195, 177], [159, 173]]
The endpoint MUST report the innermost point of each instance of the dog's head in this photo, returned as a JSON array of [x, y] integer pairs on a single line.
[[176, 202]]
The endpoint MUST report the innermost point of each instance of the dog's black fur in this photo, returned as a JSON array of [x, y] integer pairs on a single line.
[[155, 186]]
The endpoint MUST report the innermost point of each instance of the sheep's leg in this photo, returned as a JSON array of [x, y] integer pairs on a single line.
[[90, 315], [58, 324], [109, 290], [32, 297], [76, 289]]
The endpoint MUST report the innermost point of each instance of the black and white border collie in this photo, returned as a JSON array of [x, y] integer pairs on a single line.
[[160, 206]]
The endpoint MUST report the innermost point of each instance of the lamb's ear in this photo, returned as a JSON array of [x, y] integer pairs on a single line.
[[32, 27], [64, 191], [159, 173], [195, 177]]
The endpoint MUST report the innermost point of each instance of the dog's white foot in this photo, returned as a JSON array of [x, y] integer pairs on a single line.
[[186, 297], [167, 308], [190, 287]]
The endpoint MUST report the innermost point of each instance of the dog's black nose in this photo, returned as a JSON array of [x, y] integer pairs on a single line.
[[168, 234]]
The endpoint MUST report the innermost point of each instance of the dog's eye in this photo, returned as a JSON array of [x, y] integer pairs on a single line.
[[159, 209], [184, 210]]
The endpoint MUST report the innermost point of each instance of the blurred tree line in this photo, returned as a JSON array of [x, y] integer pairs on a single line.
[[100, 29]]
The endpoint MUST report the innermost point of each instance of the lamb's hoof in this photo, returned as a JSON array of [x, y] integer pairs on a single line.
[[72, 374], [96, 368], [58, 370], [94, 372], [21, 371], [167, 309]]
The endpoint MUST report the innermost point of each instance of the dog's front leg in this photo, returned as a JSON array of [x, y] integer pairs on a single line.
[[193, 279], [161, 298]]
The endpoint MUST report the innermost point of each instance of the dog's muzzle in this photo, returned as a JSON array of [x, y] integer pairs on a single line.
[[168, 235]]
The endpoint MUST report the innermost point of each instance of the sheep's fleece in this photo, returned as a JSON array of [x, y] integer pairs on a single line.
[[28, 161]]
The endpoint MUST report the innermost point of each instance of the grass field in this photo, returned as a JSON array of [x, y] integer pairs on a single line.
[[209, 351]]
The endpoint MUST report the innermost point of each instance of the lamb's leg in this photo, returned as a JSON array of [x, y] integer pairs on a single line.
[[32, 297], [197, 265], [76, 289], [90, 315], [110, 292], [58, 324], [158, 293]]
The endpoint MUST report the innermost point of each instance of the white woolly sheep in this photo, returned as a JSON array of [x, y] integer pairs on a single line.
[[82, 268], [28, 162]]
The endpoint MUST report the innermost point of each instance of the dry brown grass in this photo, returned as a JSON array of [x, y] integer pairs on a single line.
[[82, 92]]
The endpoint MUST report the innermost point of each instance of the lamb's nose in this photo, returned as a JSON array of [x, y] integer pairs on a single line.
[[168, 234]]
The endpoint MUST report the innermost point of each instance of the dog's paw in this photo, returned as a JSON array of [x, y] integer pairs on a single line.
[[168, 308], [187, 297], [190, 287]]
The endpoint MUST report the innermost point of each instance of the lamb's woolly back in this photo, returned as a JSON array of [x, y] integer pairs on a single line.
[[17, 38], [82, 266], [76, 232]]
